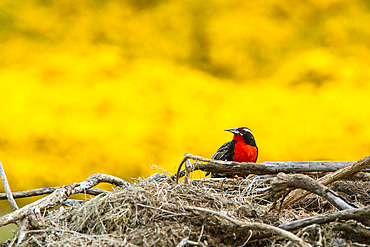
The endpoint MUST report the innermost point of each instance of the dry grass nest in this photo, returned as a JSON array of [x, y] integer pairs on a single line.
[[157, 214]]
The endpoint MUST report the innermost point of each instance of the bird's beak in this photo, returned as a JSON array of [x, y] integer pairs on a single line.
[[234, 131]]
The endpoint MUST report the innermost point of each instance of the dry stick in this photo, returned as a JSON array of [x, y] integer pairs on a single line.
[[347, 214], [79, 234], [46, 191], [83, 187], [44, 203], [254, 226], [8, 192], [96, 179], [183, 242], [21, 224], [327, 179], [186, 157], [294, 181], [352, 227], [231, 167], [284, 181], [60, 195]]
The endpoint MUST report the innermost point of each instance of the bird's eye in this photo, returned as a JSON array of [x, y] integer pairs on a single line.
[[244, 130]]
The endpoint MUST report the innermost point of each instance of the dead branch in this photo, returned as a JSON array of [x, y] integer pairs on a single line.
[[156, 177], [186, 157], [253, 225], [283, 182], [49, 201], [22, 224], [83, 187], [46, 191], [96, 179], [348, 214], [327, 179], [236, 168], [61, 194], [352, 227], [8, 192]]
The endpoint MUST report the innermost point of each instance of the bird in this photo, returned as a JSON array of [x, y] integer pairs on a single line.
[[242, 148]]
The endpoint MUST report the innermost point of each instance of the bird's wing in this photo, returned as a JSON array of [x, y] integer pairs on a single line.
[[225, 152]]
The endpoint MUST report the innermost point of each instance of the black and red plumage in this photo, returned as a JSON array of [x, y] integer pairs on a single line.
[[242, 148]]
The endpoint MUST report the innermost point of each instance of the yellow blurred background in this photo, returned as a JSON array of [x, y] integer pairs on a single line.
[[114, 86]]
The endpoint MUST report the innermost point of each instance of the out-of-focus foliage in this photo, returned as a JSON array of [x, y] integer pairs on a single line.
[[113, 86]]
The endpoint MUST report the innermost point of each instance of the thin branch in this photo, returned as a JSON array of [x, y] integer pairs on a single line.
[[96, 179], [83, 187], [183, 242], [327, 179], [8, 192], [347, 214], [254, 225], [156, 177], [284, 181], [46, 191], [186, 157], [352, 227], [60, 195], [49, 201], [294, 181]]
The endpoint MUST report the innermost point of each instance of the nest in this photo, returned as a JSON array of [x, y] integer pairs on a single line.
[[165, 214]]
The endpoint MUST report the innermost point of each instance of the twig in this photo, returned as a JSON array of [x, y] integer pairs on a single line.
[[8, 192], [186, 157], [294, 181], [249, 237], [352, 227], [319, 243], [253, 225], [347, 214], [85, 236], [301, 232], [82, 187], [60, 195], [327, 179], [44, 203], [201, 233], [179, 174], [71, 202], [157, 177], [183, 242], [96, 179], [46, 191]]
